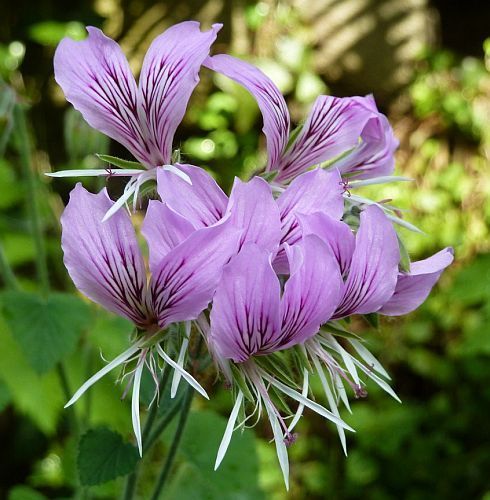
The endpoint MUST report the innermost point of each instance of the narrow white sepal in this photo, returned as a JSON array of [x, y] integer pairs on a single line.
[[301, 406], [281, 449], [104, 371], [405, 224], [230, 427], [177, 376], [120, 202], [307, 402], [187, 376], [135, 404], [331, 400], [339, 386], [346, 358], [178, 172], [384, 385], [96, 172], [369, 358], [379, 180]]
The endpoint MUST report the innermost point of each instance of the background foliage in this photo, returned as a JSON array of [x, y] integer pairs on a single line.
[[428, 65]]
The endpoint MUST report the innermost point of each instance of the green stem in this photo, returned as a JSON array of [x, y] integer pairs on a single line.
[[132, 479], [67, 393], [167, 419], [184, 413], [8, 275], [32, 202]]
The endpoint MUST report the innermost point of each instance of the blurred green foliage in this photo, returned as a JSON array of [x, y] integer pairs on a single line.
[[434, 445]]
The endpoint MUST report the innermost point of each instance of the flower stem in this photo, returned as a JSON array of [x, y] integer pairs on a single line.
[[184, 413], [32, 201], [8, 276], [132, 478]]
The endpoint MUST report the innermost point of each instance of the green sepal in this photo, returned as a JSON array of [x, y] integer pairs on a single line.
[[241, 382], [372, 319], [335, 328], [329, 163], [404, 264], [294, 135], [301, 358], [119, 162], [176, 156], [274, 365], [279, 400]]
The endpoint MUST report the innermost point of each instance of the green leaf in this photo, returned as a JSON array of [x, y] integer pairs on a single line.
[[5, 396], [25, 493], [236, 477], [39, 397], [46, 329], [103, 456], [119, 162]]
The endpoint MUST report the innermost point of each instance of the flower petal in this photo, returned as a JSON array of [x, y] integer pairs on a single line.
[[374, 157], [315, 191], [168, 77], [245, 315], [95, 77], [336, 234], [163, 229], [185, 279], [103, 258], [333, 127], [374, 266], [202, 202], [312, 292], [253, 209], [413, 288], [269, 99]]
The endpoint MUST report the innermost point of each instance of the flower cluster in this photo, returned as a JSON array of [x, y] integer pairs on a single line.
[[266, 276]]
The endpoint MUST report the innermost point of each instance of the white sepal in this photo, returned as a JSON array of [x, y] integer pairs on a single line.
[[187, 376], [135, 403], [369, 358], [96, 172], [178, 172], [307, 402], [331, 400], [281, 449], [301, 406], [104, 371], [230, 427], [177, 375]]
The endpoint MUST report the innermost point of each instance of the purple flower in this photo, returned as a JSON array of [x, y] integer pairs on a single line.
[[251, 318], [334, 127], [96, 78], [106, 264]]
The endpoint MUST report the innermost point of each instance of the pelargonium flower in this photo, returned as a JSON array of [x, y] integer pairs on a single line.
[[251, 318], [96, 78], [349, 129], [106, 264]]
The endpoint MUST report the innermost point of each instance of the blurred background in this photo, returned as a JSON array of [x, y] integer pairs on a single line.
[[428, 65]]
